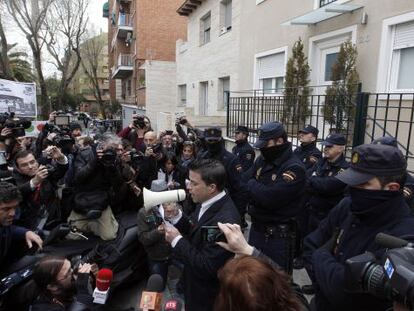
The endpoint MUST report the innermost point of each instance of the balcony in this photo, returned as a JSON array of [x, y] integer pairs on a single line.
[[125, 25], [325, 2], [124, 66]]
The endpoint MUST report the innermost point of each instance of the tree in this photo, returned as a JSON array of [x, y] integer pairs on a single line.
[[4, 59], [340, 100], [29, 16], [296, 108], [65, 26], [92, 50], [20, 68]]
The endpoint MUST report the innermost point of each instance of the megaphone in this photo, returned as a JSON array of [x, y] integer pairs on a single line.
[[152, 198]]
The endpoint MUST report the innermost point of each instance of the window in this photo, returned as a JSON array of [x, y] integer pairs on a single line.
[[225, 16], [224, 89], [270, 71], [205, 27], [203, 103], [182, 95], [402, 57], [129, 87]]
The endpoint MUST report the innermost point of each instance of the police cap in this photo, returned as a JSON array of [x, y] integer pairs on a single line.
[[310, 129], [369, 161], [242, 129], [269, 131], [386, 140], [334, 139], [212, 134]]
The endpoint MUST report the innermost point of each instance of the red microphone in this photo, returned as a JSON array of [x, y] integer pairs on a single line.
[[103, 281]]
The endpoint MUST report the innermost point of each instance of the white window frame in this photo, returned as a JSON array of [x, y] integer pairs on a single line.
[[256, 81], [387, 77], [316, 3], [203, 29], [221, 105], [182, 102], [326, 42], [203, 98], [322, 63], [224, 6]]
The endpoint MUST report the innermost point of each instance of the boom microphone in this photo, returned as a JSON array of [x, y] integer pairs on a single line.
[[151, 297], [103, 281], [389, 241], [152, 199]]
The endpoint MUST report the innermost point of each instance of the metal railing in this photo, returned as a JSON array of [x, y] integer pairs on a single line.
[[125, 20], [125, 60], [325, 2]]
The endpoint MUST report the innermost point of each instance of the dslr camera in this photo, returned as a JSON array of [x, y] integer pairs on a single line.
[[391, 277], [108, 157], [17, 125], [139, 122]]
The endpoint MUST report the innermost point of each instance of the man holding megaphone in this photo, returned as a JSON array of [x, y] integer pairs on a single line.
[[193, 239]]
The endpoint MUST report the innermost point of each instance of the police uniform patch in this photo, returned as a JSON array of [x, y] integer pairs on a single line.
[[407, 192], [355, 158], [289, 176], [274, 177], [313, 159]]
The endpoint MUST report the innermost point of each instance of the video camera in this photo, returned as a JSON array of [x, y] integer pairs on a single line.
[[63, 139], [139, 122], [17, 125], [390, 278]]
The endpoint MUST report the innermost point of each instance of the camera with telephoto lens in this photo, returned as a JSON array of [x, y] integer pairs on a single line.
[[139, 122], [391, 277], [108, 157], [17, 125]]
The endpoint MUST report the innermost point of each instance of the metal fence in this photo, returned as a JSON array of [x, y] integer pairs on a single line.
[[360, 117]]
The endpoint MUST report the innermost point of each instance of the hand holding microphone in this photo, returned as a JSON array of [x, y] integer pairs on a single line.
[[152, 296], [103, 282]]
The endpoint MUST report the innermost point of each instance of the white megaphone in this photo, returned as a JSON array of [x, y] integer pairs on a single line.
[[152, 198]]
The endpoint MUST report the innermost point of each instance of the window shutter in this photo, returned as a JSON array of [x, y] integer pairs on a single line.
[[404, 35], [271, 66]]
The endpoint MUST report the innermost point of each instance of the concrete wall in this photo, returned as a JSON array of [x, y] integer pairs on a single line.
[[261, 31], [198, 63]]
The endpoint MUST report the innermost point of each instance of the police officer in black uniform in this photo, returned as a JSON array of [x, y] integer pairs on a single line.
[[324, 190], [243, 151], [276, 185], [408, 189], [375, 204], [216, 150], [307, 152]]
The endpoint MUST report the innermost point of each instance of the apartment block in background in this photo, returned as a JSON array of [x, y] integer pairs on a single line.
[[141, 40]]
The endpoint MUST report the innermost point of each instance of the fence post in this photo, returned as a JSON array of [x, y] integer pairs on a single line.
[[227, 94], [360, 118]]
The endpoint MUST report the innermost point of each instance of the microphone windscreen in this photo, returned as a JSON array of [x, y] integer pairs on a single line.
[[173, 305], [104, 279], [389, 241], [155, 283]]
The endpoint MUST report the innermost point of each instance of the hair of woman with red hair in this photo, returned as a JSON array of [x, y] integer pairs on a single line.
[[251, 284]]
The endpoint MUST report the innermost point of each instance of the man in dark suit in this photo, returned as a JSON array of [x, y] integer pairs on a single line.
[[202, 259]]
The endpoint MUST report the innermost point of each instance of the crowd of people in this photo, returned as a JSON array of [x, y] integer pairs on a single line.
[[303, 208]]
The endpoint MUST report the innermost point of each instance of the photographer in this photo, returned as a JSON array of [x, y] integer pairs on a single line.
[[375, 204], [136, 130], [38, 184], [11, 246], [98, 183], [62, 288]]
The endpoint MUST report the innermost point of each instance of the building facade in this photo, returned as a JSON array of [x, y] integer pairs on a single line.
[[141, 43], [207, 63]]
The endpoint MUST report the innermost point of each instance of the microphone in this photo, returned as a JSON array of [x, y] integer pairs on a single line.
[[151, 297], [389, 241], [103, 281], [173, 305]]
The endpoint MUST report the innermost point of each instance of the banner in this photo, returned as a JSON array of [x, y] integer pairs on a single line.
[[18, 97]]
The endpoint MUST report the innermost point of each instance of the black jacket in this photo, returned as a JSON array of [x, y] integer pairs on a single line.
[[355, 236], [309, 154], [276, 189], [202, 259], [245, 154], [8, 236]]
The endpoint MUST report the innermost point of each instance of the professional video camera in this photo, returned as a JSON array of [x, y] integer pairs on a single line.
[[391, 278], [17, 125]]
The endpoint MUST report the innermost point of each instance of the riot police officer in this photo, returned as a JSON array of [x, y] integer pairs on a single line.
[[375, 204], [276, 184], [307, 152], [408, 190], [324, 190], [243, 151], [216, 150]]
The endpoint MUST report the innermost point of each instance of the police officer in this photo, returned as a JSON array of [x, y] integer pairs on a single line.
[[307, 152], [324, 190], [408, 189], [276, 187], [243, 151], [375, 204], [216, 150]]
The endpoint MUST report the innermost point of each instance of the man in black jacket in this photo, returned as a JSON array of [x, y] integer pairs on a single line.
[[202, 259], [243, 151], [307, 152]]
